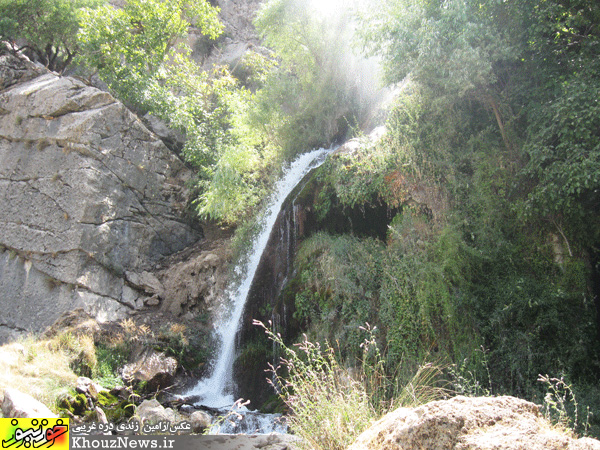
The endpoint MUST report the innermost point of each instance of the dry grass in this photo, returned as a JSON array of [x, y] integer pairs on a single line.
[[329, 404], [41, 368]]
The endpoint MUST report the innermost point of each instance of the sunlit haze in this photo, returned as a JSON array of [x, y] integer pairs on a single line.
[[331, 7]]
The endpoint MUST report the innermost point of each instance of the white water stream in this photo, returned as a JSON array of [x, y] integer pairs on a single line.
[[216, 390]]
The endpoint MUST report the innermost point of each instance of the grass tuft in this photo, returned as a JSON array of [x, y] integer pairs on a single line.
[[331, 405]]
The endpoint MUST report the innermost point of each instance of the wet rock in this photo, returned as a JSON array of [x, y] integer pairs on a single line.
[[16, 404], [200, 421]]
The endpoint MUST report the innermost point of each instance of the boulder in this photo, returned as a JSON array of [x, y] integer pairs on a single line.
[[16, 404], [473, 423], [200, 421], [91, 202], [146, 282], [152, 367], [85, 385], [196, 283], [152, 412]]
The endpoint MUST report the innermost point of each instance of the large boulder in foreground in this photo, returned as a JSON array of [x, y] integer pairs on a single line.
[[16, 404], [473, 423], [90, 202]]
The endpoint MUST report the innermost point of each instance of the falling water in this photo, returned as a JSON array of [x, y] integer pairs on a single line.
[[216, 391]]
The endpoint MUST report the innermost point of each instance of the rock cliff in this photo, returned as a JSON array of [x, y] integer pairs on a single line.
[[90, 202], [239, 35]]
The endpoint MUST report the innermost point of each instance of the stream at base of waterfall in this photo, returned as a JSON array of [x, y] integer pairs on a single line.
[[216, 391]]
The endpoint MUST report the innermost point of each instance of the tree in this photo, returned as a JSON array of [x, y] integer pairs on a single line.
[[129, 46], [313, 95], [140, 52], [46, 30], [561, 88], [456, 48]]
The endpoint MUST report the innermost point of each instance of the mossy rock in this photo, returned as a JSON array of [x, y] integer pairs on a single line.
[[106, 399], [74, 404], [84, 364], [120, 412]]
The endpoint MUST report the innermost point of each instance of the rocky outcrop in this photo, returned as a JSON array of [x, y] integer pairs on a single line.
[[197, 279], [152, 367], [16, 404], [471, 423], [90, 202], [200, 421], [238, 37], [152, 412]]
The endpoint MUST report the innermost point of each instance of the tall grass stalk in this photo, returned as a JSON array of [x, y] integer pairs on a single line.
[[387, 391], [329, 405]]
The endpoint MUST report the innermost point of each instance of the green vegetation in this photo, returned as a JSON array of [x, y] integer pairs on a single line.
[[491, 160], [315, 95], [239, 129], [329, 405], [489, 175], [97, 353], [48, 28]]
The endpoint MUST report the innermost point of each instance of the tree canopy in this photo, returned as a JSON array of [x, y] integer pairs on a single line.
[[45, 29]]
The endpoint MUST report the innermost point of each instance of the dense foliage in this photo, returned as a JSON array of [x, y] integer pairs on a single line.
[[492, 157], [489, 171], [46, 30], [316, 94], [140, 52]]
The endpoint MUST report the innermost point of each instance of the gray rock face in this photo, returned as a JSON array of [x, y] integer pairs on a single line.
[[90, 201]]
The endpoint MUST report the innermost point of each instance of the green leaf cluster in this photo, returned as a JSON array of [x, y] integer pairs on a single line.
[[131, 47], [46, 30]]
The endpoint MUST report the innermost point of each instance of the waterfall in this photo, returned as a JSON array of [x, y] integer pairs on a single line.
[[216, 390]]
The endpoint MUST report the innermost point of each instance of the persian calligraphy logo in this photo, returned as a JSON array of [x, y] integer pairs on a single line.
[[35, 433]]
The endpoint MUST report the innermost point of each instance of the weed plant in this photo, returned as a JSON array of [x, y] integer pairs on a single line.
[[561, 406], [329, 404]]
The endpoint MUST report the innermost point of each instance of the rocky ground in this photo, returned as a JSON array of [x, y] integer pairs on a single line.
[[474, 423], [460, 423]]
